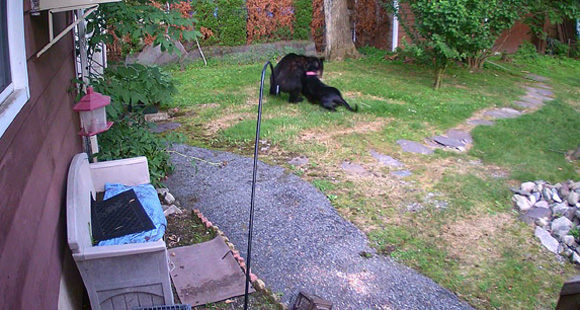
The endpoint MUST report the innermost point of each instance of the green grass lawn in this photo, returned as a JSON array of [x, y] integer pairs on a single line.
[[473, 244]]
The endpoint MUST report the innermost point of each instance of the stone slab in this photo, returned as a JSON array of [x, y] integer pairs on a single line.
[[449, 142], [537, 96], [299, 161], [540, 91], [532, 99], [385, 159], [480, 122], [206, 272], [542, 85], [537, 78], [503, 113], [354, 168], [460, 135], [527, 105], [414, 147]]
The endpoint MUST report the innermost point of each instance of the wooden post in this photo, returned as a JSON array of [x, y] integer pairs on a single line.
[[570, 295]]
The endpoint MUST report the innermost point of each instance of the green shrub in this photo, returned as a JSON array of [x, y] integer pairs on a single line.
[[133, 88], [575, 50], [226, 19], [125, 140], [302, 19], [558, 48], [527, 51]]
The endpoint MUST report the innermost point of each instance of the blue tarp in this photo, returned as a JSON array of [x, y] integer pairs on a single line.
[[147, 195]]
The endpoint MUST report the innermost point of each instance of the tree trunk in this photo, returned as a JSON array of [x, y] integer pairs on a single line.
[[339, 43], [542, 38], [438, 78], [476, 63]]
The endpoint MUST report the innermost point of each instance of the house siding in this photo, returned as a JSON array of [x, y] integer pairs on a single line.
[[35, 152]]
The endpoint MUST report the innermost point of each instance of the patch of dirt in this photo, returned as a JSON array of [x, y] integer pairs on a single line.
[[471, 239], [186, 229], [207, 105], [326, 133], [227, 121]]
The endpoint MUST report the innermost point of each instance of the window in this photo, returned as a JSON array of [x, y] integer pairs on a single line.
[[5, 79], [14, 92]]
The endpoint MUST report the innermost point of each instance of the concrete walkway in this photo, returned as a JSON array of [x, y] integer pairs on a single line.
[[300, 241]]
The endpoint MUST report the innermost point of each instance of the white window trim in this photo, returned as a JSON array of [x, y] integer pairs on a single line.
[[20, 92]]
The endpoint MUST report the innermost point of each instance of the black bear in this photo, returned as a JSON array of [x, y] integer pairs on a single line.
[[317, 92], [288, 74]]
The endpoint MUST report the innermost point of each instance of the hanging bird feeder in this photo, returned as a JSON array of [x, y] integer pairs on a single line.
[[92, 112]]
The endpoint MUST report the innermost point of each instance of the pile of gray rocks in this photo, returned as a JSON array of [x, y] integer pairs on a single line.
[[554, 210], [168, 202]]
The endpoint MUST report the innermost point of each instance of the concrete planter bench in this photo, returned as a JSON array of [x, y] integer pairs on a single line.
[[119, 276]]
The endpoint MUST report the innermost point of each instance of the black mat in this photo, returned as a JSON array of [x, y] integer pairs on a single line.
[[118, 216]]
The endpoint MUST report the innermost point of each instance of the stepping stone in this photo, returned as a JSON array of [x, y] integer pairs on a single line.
[[386, 160], [537, 78], [299, 161], [542, 85], [527, 105], [459, 135], [538, 96], [401, 173], [503, 113], [354, 168], [532, 99], [540, 91], [449, 142], [480, 122], [414, 147], [163, 127]]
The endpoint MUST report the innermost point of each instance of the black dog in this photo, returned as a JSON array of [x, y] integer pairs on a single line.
[[317, 92], [288, 74]]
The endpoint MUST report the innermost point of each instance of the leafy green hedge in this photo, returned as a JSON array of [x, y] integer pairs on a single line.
[[126, 140], [225, 18], [133, 89], [303, 18]]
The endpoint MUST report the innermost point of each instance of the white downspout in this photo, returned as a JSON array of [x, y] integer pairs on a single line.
[[395, 39]]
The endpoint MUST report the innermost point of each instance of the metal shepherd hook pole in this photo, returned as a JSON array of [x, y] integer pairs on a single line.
[[256, 144]]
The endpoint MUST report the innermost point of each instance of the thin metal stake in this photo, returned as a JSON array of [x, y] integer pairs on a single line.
[[256, 143]]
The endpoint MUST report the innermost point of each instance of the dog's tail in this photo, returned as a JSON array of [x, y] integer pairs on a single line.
[[346, 105]]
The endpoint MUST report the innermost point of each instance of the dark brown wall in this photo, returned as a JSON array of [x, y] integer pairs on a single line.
[[35, 152], [373, 24], [511, 39]]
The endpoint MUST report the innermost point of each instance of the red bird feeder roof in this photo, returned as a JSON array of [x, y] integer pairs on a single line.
[[92, 101]]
